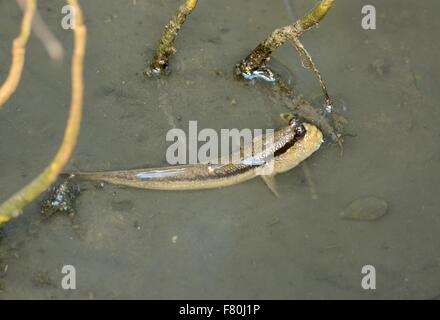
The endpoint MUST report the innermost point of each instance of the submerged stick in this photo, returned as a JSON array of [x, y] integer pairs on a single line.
[[254, 65], [13, 206], [166, 47], [18, 54], [52, 45], [309, 181]]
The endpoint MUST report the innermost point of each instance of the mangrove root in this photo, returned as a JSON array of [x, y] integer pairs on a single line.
[[254, 65], [166, 48]]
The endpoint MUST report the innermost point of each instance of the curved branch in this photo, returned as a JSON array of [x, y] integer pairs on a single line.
[[18, 54], [13, 206]]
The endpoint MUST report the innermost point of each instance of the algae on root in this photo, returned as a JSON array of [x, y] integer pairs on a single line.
[[61, 199]]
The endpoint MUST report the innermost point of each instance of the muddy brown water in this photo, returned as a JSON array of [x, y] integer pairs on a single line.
[[241, 241]]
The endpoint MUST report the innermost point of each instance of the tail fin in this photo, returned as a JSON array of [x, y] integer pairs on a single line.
[[83, 175], [66, 175]]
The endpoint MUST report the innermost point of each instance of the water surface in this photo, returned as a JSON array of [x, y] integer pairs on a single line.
[[241, 241]]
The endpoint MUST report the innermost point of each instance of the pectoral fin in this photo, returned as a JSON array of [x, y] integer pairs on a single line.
[[271, 183]]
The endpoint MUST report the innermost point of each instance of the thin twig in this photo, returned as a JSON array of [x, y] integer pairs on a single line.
[[18, 54], [13, 206], [308, 63], [166, 47]]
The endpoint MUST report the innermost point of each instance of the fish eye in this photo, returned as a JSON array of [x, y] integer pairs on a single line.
[[294, 122], [300, 130], [297, 127]]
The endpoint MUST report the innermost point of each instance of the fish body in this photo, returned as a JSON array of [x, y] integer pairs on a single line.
[[289, 146]]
